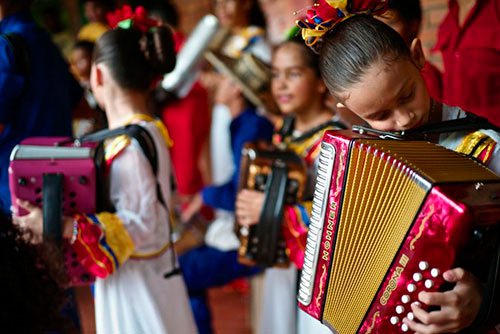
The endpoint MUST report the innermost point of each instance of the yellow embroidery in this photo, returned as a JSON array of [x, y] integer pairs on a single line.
[[321, 280], [152, 254], [159, 124], [375, 316], [115, 146], [116, 235], [422, 225]]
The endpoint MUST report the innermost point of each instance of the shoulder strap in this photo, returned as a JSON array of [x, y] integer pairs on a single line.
[[135, 131], [470, 122]]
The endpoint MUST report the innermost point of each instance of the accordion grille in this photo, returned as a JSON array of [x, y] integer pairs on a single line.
[[373, 222], [386, 183]]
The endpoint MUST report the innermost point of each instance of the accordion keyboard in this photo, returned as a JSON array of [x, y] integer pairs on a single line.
[[320, 202]]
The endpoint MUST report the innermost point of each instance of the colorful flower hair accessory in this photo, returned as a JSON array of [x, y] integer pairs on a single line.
[[325, 14], [127, 18]]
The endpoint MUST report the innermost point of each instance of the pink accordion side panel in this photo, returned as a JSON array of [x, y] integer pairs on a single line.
[[341, 145], [439, 233], [79, 191]]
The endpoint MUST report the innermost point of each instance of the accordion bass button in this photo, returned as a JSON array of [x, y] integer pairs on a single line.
[[417, 277], [400, 309], [411, 288], [405, 299], [394, 320], [429, 284], [410, 316], [404, 327], [423, 265], [435, 272]]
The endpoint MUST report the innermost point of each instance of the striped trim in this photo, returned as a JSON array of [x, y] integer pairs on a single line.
[[117, 240]]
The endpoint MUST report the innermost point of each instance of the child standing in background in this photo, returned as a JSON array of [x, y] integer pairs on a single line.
[[139, 289]]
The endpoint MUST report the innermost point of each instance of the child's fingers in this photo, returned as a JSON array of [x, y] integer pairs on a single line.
[[26, 205]]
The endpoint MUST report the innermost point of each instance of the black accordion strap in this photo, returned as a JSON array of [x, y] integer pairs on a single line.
[[52, 207], [269, 226], [468, 123], [147, 145]]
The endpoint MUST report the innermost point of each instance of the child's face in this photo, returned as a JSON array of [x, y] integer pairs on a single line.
[[81, 60], [390, 96], [294, 85], [229, 11]]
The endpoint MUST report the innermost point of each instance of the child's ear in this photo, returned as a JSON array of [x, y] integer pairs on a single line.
[[97, 73], [322, 87], [417, 54]]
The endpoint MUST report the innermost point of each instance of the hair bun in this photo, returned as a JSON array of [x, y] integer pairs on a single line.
[[157, 46]]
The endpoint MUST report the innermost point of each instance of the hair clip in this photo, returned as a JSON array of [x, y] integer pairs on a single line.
[[326, 14]]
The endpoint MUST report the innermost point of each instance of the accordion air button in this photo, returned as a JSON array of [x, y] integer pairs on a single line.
[[394, 320], [423, 265], [21, 181], [400, 309], [405, 299], [429, 284], [410, 316], [412, 288], [435, 272], [417, 277], [404, 327]]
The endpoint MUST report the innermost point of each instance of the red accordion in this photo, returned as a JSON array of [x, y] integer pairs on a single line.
[[388, 218]]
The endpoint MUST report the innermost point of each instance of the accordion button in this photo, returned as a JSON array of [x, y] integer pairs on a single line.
[[412, 288], [429, 284], [404, 327], [405, 299], [21, 181], [417, 277], [394, 320], [423, 265], [435, 272], [400, 309], [410, 316]]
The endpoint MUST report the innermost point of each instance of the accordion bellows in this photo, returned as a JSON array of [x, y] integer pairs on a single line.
[[384, 211]]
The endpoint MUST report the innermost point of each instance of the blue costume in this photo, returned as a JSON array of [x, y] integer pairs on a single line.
[[206, 267], [38, 104]]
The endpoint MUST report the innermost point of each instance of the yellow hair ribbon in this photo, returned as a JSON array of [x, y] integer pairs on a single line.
[[339, 4]]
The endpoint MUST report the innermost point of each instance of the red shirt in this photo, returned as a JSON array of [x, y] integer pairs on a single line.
[[434, 81], [471, 56]]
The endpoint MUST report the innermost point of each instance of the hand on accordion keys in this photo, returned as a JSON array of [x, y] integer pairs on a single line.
[[33, 221], [249, 204], [458, 307]]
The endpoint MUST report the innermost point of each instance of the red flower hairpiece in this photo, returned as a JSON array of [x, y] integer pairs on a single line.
[[126, 18], [325, 14]]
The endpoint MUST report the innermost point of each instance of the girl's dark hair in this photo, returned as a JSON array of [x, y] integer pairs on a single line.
[[409, 10], [32, 279], [310, 58], [256, 16], [85, 45], [135, 58], [353, 46]]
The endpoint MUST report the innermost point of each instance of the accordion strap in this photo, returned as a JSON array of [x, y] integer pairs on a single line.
[[269, 226], [52, 207]]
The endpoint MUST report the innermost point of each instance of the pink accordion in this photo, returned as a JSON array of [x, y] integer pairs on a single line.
[[388, 218], [64, 179]]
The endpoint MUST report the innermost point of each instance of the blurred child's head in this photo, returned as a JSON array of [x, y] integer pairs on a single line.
[[81, 59], [129, 59], [296, 82], [96, 10], [165, 13], [368, 67], [238, 13], [405, 17]]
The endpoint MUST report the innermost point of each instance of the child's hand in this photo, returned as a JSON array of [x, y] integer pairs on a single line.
[[249, 204], [32, 222], [193, 208], [459, 307]]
